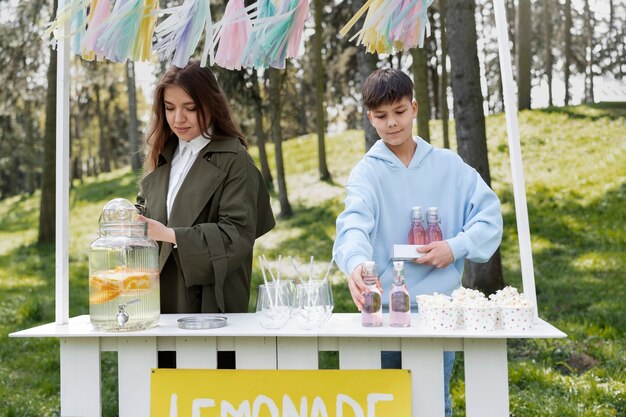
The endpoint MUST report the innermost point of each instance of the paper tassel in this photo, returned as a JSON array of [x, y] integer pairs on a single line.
[[79, 23], [232, 33], [100, 10], [178, 35], [73, 11], [295, 36], [391, 25], [127, 32], [273, 31]]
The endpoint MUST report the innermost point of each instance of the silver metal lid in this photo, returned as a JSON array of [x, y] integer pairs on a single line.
[[202, 322]]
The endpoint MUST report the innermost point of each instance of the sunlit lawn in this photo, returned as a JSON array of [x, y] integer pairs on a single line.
[[575, 170]]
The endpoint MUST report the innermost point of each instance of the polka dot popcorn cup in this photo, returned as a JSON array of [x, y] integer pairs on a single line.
[[439, 317], [481, 318], [517, 318]]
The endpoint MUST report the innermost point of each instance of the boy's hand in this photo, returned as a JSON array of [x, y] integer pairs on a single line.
[[357, 286], [437, 254], [158, 231]]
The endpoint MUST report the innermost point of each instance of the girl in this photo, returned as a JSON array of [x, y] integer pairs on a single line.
[[205, 201]]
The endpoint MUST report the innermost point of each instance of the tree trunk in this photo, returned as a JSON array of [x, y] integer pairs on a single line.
[[30, 133], [547, 32], [320, 92], [105, 149], [470, 119], [135, 156], [444, 76], [366, 64], [47, 205], [524, 39], [261, 135], [568, 49], [277, 78], [420, 75]]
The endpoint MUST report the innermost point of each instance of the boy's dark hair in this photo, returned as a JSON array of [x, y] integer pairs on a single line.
[[386, 86]]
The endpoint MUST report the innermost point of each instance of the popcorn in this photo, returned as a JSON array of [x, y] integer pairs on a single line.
[[509, 297], [435, 300]]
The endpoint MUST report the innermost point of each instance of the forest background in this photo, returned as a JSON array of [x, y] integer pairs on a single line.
[[566, 53]]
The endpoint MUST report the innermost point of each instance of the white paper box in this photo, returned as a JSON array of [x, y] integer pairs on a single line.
[[406, 252]]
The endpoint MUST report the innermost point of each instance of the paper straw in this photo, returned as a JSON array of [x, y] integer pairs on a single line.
[[268, 267], [295, 266], [267, 289], [330, 265]]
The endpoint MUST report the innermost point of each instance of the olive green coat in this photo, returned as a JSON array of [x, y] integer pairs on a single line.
[[221, 208]]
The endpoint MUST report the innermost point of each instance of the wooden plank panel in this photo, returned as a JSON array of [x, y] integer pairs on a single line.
[[255, 352], [424, 357], [486, 378], [297, 353], [136, 357], [80, 377], [359, 353], [196, 352]]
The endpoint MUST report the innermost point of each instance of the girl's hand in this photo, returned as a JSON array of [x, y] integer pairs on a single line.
[[158, 231], [437, 254]]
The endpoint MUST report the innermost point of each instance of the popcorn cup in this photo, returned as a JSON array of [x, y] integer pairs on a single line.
[[517, 318], [480, 318], [439, 317]]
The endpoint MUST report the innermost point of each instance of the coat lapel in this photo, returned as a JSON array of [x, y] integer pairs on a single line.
[[199, 185]]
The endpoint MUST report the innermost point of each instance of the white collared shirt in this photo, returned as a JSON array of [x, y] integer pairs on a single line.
[[184, 157]]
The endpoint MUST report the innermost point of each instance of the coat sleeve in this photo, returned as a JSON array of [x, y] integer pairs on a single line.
[[482, 226], [208, 251], [355, 224]]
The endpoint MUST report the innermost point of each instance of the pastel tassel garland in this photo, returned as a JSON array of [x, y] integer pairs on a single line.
[[274, 31], [79, 22], [126, 31], [72, 12], [233, 34], [100, 10], [391, 25], [178, 35]]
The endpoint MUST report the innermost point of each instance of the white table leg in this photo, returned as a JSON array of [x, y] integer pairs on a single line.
[[486, 378], [136, 356], [297, 353], [424, 357], [80, 377], [196, 352]]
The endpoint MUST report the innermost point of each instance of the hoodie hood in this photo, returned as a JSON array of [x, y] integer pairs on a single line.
[[381, 152]]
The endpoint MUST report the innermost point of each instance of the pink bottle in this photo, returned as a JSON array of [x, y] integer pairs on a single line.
[[417, 234], [399, 300], [372, 312], [433, 232]]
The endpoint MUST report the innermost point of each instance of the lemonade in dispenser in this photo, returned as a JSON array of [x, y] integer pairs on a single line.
[[123, 271]]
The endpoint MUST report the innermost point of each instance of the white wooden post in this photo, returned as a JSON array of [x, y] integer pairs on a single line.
[[62, 177], [80, 376], [486, 378], [515, 154]]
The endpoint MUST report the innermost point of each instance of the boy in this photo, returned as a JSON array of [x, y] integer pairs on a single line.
[[399, 172]]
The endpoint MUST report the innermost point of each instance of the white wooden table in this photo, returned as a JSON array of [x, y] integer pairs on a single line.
[[486, 373]]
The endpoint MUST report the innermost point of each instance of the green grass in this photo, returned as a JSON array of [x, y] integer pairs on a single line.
[[575, 171]]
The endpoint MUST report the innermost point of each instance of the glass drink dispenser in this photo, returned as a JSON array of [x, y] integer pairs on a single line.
[[123, 271]]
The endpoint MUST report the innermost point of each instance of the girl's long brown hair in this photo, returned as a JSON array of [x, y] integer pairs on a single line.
[[213, 109]]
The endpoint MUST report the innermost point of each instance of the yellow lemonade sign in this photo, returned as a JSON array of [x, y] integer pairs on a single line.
[[242, 393]]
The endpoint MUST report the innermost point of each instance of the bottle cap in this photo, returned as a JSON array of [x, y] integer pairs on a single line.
[[398, 265], [416, 212]]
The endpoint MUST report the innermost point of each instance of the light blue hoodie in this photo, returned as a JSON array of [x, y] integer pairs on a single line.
[[380, 194]]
